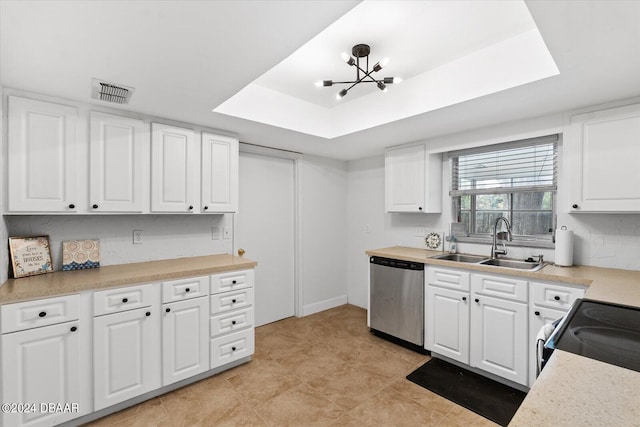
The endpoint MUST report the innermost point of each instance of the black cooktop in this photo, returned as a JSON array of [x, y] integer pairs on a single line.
[[601, 331]]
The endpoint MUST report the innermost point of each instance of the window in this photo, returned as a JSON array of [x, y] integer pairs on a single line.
[[517, 180]]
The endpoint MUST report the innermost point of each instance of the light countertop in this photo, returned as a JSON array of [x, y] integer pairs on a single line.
[[572, 390], [68, 282]]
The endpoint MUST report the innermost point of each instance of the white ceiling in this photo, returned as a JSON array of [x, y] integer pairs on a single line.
[[186, 57]]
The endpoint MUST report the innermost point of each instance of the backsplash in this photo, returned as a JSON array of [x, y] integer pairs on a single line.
[[164, 236]]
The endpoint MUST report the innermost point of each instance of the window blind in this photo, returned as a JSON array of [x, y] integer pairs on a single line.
[[522, 166]]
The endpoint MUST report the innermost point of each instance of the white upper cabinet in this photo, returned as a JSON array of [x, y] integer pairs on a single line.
[[174, 169], [219, 174], [119, 158], [42, 157], [413, 180], [603, 159]]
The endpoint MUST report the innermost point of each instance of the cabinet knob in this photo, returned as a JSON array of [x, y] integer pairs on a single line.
[[574, 206], [233, 349], [233, 322], [206, 207], [148, 313], [419, 208], [42, 313], [187, 290], [464, 298], [557, 298], [124, 300], [167, 310], [537, 313], [190, 208], [476, 300], [73, 329], [95, 206], [72, 206], [233, 301], [233, 282]]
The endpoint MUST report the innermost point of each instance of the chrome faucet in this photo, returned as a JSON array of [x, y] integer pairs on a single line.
[[494, 248]]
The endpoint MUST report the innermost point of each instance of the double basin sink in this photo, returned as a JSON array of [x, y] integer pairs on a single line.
[[496, 262]]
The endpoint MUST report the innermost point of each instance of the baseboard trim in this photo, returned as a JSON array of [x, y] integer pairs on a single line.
[[317, 307]]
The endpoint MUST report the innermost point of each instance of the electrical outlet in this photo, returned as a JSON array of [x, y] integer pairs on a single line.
[[367, 228], [137, 237], [420, 231], [215, 233], [226, 233]]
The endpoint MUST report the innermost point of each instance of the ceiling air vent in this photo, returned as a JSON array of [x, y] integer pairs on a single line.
[[111, 92]]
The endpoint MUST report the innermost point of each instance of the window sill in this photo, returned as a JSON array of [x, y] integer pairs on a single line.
[[548, 244]]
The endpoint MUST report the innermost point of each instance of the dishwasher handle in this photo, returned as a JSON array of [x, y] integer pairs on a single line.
[[397, 263]]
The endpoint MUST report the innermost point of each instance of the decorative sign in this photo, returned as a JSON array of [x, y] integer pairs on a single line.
[[80, 254], [30, 255]]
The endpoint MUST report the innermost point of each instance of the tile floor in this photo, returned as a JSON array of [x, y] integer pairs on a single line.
[[321, 370]]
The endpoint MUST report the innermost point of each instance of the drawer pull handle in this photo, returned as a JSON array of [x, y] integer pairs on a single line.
[[557, 298], [148, 313], [124, 300], [72, 206], [537, 313], [206, 207], [187, 290], [94, 206], [233, 282], [190, 208], [233, 349], [167, 310], [233, 301], [477, 300], [233, 322], [73, 329], [42, 313], [464, 298]]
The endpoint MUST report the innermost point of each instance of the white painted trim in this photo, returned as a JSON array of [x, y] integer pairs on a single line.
[[261, 150], [297, 242], [317, 307]]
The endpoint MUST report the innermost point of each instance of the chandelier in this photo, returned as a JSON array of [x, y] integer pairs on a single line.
[[362, 75]]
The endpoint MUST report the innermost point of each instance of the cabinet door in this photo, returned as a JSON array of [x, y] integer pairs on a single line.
[[499, 337], [219, 174], [538, 317], [42, 163], [405, 179], [448, 323], [185, 339], [174, 169], [603, 156], [41, 366], [118, 161], [126, 357]]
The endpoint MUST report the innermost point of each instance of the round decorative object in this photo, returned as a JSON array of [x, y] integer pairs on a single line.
[[433, 240]]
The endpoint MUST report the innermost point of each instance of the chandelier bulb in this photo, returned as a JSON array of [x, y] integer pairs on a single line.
[[318, 83], [347, 58], [341, 94]]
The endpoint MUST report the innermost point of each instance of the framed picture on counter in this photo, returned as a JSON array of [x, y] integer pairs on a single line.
[[30, 255]]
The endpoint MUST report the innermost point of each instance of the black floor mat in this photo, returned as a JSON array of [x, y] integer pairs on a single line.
[[481, 395]]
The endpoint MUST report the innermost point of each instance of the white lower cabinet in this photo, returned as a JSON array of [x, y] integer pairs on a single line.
[[448, 323], [185, 339], [126, 355], [40, 366]]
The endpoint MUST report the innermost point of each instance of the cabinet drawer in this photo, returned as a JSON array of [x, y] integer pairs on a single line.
[[231, 300], [32, 314], [499, 286], [229, 322], [122, 299], [232, 347], [555, 295], [447, 278], [233, 280], [178, 290]]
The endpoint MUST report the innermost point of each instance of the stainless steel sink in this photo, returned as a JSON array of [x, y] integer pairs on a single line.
[[461, 258], [510, 263]]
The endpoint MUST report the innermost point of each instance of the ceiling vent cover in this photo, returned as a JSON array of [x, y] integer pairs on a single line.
[[111, 92]]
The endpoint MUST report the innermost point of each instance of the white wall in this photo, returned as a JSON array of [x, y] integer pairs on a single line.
[[164, 236], [323, 233]]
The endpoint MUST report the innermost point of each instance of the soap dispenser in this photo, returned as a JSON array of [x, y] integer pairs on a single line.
[[452, 245]]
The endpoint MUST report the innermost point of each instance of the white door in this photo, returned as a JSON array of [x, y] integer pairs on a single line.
[[41, 366], [265, 230], [499, 337], [175, 169], [185, 339], [448, 323], [126, 356], [119, 158], [219, 174], [42, 157]]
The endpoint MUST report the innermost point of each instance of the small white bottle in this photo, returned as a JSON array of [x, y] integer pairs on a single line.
[[452, 245]]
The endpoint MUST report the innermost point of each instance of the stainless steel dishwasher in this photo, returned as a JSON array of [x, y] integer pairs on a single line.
[[397, 301]]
